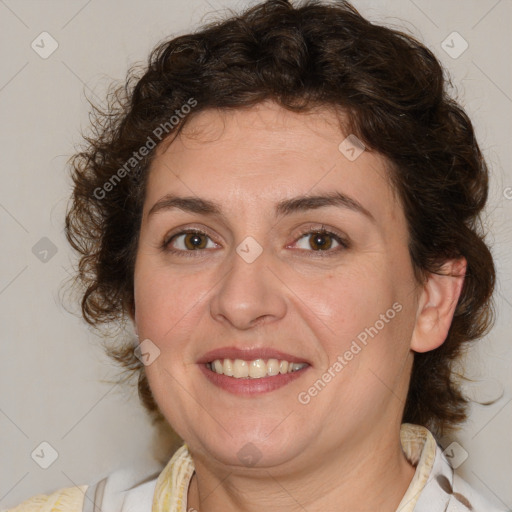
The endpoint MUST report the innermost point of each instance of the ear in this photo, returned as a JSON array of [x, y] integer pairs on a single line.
[[436, 306]]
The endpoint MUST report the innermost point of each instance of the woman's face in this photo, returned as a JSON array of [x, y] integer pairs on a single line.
[[234, 275]]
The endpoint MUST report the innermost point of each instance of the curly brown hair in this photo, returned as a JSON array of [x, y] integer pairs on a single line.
[[394, 94]]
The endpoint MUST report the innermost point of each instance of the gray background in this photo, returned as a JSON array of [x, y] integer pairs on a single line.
[[54, 379]]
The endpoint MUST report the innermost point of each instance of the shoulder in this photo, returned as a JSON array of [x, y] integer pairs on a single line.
[[436, 487], [70, 499], [124, 490], [468, 496], [447, 491]]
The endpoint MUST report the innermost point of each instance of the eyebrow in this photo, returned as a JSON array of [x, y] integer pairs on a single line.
[[283, 208]]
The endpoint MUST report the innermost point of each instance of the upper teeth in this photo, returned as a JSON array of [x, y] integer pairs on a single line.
[[256, 369]]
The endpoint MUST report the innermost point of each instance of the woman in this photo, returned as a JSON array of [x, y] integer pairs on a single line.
[[285, 205]]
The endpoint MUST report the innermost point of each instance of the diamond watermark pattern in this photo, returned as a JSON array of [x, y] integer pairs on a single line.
[[454, 45], [455, 454], [351, 147], [147, 352], [44, 45], [44, 250], [249, 249], [249, 455], [44, 455]]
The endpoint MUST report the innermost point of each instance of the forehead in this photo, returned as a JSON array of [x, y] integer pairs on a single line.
[[266, 153]]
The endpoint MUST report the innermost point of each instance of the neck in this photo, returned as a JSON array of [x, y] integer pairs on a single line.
[[371, 474]]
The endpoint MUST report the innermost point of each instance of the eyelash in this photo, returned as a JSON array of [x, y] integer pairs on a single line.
[[343, 242]]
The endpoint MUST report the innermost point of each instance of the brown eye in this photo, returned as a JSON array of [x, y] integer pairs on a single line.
[[190, 241], [320, 241], [194, 241]]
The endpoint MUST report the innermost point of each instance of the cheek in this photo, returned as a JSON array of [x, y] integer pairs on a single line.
[[164, 300], [347, 299], [361, 316]]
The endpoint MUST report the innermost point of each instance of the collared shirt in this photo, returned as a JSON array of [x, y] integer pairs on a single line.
[[434, 487]]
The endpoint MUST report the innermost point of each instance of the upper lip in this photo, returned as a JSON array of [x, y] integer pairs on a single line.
[[248, 354]]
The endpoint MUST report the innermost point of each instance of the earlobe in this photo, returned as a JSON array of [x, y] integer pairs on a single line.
[[436, 306]]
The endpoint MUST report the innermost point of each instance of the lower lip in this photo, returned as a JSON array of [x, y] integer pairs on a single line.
[[249, 386]]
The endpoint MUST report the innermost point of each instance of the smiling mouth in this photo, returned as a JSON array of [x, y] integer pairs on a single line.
[[255, 369]]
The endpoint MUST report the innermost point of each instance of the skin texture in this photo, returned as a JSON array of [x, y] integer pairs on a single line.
[[340, 451]]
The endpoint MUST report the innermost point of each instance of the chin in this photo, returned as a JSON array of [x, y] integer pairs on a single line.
[[261, 448]]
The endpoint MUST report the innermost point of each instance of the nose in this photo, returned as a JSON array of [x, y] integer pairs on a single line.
[[249, 294]]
